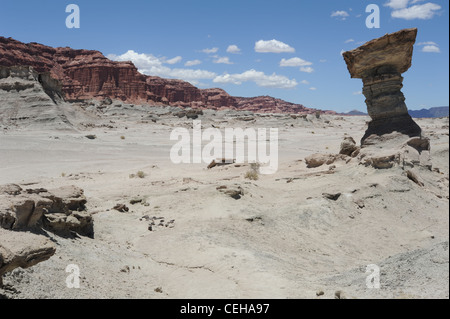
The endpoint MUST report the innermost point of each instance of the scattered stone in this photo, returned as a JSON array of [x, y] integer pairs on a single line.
[[339, 295], [190, 114], [135, 201], [360, 203], [348, 146], [253, 219], [159, 290], [334, 197], [121, 208], [221, 162], [320, 293], [316, 160], [107, 101], [91, 137], [235, 192], [10, 189], [412, 176], [125, 269], [382, 162]]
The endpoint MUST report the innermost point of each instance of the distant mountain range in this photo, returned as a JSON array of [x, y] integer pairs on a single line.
[[354, 112], [434, 112], [441, 111]]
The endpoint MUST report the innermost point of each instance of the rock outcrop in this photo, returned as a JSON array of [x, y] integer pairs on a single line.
[[61, 210], [83, 74], [317, 160], [268, 104], [380, 63], [349, 147], [21, 249], [396, 149], [87, 74], [29, 98]]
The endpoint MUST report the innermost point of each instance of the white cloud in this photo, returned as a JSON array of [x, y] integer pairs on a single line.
[[313, 88], [342, 15], [427, 43], [323, 60], [397, 4], [223, 60], [209, 51], [150, 65], [304, 82], [273, 46], [349, 41], [174, 60], [193, 62], [342, 52], [258, 77], [431, 48], [294, 62], [234, 49], [357, 93], [306, 69], [420, 11]]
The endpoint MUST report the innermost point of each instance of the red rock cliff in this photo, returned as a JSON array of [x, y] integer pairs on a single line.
[[86, 74]]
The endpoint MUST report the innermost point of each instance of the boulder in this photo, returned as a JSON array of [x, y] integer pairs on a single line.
[[348, 147], [21, 249], [382, 162], [10, 189], [235, 192], [393, 149], [317, 160]]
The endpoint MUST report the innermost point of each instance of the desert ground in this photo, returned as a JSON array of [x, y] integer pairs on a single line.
[[281, 239]]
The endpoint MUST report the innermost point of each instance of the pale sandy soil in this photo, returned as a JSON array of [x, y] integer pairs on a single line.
[[282, 239]]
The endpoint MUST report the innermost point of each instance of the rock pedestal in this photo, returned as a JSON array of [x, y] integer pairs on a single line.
[[380, 63]]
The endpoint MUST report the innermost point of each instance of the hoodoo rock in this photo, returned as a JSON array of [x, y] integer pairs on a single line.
[[380, 63]]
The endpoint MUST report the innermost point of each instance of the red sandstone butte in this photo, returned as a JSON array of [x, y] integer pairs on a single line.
[[87, 74]]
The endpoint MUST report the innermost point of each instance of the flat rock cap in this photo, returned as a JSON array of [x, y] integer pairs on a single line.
[[393, 50]]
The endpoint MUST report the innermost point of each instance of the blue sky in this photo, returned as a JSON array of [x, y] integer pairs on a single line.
[[289, 49]]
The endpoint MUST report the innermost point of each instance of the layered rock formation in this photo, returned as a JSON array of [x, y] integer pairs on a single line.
[[268, 104], [30, 99], [380, 63], [60, 210], [22, 250], [87, 74]]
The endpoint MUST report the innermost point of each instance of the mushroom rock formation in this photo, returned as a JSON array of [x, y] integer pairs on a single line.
[[380, 63]]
